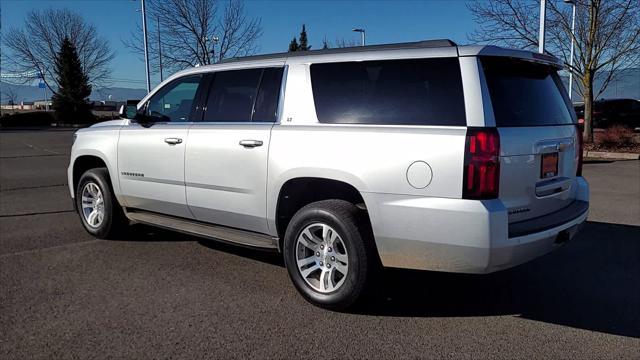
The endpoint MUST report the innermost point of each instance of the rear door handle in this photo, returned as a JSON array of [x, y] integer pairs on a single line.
[[173, 141], [251, 143]]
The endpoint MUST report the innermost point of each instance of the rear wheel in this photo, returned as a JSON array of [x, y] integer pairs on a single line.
[[328, 253], [98, 208]]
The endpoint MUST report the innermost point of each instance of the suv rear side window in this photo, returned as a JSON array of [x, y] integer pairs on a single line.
[[524, 93], [390, 92], [244, 95]]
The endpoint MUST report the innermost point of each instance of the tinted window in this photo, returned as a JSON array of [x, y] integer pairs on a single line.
[[526, 94], [396, 92], [174, 102], [266, 106], [232, 95]]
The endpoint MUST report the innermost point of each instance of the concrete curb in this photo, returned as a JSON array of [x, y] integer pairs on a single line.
[[611, 155]]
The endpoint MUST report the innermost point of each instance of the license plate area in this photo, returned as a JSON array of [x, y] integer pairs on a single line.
[[549, 165]]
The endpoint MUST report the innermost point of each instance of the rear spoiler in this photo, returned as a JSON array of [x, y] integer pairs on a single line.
[[490, 50]]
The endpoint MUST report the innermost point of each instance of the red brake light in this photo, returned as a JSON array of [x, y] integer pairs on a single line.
[[580, 147], [481, 177]]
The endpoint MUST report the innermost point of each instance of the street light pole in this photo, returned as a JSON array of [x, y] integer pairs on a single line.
[[159, 47], [573, 28], [543, 11], [362, 34], [146, 46], [214, 41]]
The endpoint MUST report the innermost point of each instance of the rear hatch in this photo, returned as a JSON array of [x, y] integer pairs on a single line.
[[538, 144]]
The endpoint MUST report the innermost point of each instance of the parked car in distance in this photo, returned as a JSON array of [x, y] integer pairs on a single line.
[[422, 155], [613, 112]]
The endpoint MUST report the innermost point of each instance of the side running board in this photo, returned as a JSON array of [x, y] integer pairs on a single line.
[[209, 231]]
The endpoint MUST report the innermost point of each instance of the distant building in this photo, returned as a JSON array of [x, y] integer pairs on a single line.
[[9, 107], [42, 104], [105, 105], [26, 105]]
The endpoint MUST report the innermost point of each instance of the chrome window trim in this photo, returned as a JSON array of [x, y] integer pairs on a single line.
[[232, 123], [376, 126], [171, 123]]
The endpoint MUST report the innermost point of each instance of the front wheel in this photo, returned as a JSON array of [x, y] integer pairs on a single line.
[[329, 254], [98, 208]]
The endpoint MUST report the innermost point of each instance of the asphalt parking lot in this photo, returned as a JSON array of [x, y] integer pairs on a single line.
[[158, 294]]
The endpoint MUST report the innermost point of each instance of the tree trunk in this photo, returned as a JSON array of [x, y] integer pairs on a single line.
[[588, 107]]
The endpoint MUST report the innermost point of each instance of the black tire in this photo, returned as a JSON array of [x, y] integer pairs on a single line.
[[352, 226], [114, 220]]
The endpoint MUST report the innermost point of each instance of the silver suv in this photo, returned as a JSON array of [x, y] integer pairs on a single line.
[[422, 155]]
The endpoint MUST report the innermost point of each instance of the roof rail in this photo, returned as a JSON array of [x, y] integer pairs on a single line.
[[395, 46]]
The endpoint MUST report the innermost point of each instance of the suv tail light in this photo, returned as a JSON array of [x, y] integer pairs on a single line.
[[481, 164], [580, 143]]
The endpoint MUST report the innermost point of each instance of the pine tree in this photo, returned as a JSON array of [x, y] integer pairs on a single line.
[[325, 43], [304, 44], [293, 45], [71, 101]]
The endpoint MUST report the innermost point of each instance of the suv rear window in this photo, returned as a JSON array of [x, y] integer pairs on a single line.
[[389, 92], [524, 93]]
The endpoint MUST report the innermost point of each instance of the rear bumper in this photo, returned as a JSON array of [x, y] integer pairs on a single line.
[[466, 236]]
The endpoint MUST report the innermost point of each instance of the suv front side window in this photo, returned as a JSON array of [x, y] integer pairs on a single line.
[[175, 101]]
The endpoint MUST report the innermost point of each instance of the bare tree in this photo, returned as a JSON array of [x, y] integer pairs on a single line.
[[607, 37], [9, 95], [198, 32], [344, 43], [34, 48]]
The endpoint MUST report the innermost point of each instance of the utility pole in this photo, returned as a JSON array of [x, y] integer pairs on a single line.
[[146, 46], [573, 28], [543, 12], [159, 47]]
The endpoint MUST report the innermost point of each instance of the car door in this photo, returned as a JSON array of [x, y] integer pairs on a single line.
[[151, 150], [226, 157]]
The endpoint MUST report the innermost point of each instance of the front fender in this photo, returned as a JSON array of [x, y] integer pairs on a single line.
[[101, 143]]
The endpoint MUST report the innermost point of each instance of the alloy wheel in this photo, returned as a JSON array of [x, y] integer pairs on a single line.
[[321, 257], [92, 204]]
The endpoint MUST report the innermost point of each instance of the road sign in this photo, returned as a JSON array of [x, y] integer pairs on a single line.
[[41, 85]]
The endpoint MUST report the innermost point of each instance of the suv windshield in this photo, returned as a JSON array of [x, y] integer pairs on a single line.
[[525, 93]]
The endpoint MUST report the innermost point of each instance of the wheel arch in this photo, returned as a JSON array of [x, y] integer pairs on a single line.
[[84, 162], [298, 192]]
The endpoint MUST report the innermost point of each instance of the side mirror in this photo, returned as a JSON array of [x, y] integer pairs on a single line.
[[128, 111]]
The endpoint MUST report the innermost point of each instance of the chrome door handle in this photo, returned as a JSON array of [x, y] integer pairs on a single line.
[[251, 143], [551, 146], [173, 141], [564, 145]]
